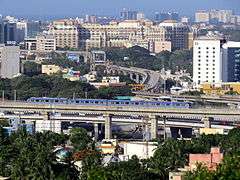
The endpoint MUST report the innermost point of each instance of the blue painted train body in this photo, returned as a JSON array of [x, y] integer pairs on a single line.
[[104, 102]]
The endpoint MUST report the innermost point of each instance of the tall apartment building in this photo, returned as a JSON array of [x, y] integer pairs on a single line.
[[33, 28], [202, 17], [21, 31], [66, 33], [9, 61], [207, 60], [177, 33], [128, 14], [45, 43], [10, 32], [231, 63]]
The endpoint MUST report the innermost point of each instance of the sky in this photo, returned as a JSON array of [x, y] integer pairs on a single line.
[[110, 7]]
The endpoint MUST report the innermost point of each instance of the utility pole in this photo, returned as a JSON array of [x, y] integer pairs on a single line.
[[145, 135], [164, 90], [74, 95], [164, 122]]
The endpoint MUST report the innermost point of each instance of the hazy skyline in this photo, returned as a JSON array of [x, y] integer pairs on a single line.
[[110, 7]]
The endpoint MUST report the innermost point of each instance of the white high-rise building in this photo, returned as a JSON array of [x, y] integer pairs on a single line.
[[207, 60], [9, 61]]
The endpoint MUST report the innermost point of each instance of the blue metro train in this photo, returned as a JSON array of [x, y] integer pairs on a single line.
[[104, 102]]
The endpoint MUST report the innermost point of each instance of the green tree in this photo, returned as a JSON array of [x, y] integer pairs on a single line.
[[80, 139], [111, 92], [31, 68]]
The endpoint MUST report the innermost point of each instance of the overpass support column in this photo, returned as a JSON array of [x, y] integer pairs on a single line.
[[207, 121], [154, 126], [96, 131], [46, 116], [138, 78], [108, 126]]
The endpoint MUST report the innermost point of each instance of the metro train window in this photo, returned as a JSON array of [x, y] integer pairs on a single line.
[[126, 102], [96, 102], [86, 102], [136, 103], [117, 102], [56, 100], [77, 101]]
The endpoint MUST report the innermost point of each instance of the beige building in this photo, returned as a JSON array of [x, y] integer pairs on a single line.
[[127, 33], [66, 33], [160, 46], [51, 69], [45, 43], [202, 17]]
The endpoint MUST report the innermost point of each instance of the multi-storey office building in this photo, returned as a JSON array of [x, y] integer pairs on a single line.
[[66, 33], [45, 43], [177, 33], [231, 63], [207, 60], [10, 32], [123, 34]]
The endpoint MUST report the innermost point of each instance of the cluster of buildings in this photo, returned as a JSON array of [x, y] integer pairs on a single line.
[[217, 16], [167, 35], [12, 33]]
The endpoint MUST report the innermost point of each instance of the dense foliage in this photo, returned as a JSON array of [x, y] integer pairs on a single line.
[[25, 156], [140, 57], [56, 86]]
